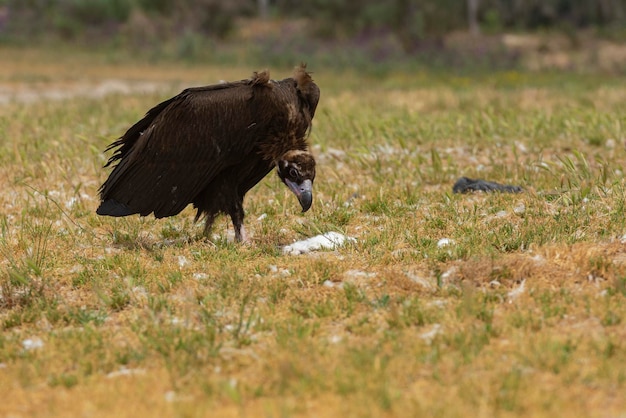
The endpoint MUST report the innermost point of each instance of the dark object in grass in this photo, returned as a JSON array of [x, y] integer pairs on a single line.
[[466, 185], [210, 145]]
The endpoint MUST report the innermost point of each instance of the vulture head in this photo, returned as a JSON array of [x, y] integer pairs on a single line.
[[296, 169]]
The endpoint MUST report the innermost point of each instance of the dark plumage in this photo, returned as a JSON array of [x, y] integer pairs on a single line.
[[466, 185], [210, 145]]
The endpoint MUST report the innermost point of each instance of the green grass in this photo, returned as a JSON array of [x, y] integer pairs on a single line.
[[522, 314]]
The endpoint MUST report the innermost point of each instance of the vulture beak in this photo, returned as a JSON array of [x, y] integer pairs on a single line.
[[303, 191]]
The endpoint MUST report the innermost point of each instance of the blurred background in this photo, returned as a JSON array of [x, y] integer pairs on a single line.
[[370, 34]]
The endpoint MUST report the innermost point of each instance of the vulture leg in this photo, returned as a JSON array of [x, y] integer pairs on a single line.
[[208, 224], [236, 214], [243, 235]]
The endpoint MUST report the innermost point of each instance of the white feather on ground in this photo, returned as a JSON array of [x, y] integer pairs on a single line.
[[329, 240], [517, 292], [32, 343]]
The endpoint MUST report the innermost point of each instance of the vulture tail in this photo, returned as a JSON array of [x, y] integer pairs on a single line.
[[112, 207]]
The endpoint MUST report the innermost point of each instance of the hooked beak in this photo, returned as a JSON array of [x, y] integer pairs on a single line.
[[303, 191]]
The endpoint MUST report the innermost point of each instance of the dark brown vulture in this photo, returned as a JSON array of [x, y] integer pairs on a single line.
[[210, 145]]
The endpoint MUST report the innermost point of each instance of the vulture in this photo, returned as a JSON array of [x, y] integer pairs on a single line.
[[209, 145]]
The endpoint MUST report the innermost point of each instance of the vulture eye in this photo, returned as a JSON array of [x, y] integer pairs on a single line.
[[293, 173]]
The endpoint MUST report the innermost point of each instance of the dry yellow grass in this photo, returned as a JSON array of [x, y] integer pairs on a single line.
[[522, 314]]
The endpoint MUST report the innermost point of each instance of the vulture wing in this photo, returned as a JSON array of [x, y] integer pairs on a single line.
[[170, 155]]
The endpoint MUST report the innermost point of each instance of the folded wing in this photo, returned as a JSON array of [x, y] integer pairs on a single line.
[[168, 157]]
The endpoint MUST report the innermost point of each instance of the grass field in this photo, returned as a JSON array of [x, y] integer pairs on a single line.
[[446, 305]]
